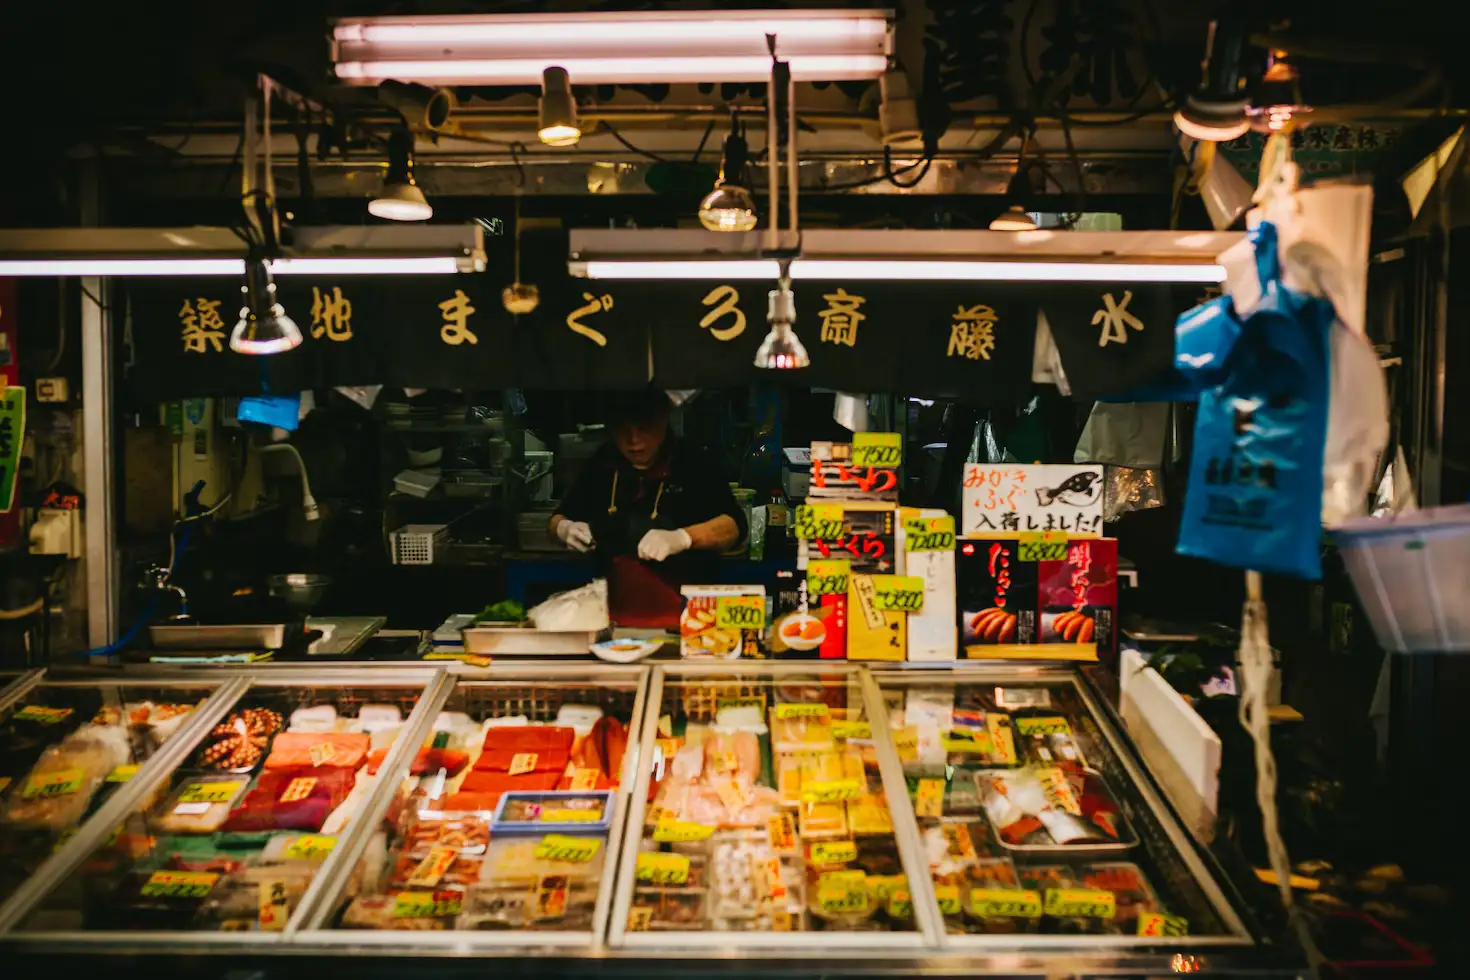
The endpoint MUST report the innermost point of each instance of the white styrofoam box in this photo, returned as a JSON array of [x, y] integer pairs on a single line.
[[1182, 752], [933, 635], [1409, 572]]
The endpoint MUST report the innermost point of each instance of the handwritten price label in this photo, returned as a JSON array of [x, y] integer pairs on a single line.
[[571, 815], [522, 763], [831, 791], [900, 904], [834, 852], [929, 534], [819, 522], [827, 576], [801, 710], [180, 884], [1160, 926], [639, 918], [309, 847], [123, 773], [851, 729], [1080, 903], [42, 714], [880, 449], [782, 833], [432, 867], [222, 792], [578, 850], [1009, 902], [59, 782], [274, 907], [1043, 726], [929, 798], [679, 830], [948, 897], [845, 893], [1042, 546], [298, 789], [898, 593], [740, 612], [662, 869], [426, 905]]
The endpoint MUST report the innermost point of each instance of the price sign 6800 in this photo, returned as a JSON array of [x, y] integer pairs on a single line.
[[819, 522]]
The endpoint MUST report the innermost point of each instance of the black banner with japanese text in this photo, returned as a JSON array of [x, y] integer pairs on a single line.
[[970, 340]]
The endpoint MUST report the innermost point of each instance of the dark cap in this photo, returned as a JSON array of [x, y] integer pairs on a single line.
[[641, 407]]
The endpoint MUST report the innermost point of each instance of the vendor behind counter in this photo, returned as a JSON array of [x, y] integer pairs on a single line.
[[654, 510]]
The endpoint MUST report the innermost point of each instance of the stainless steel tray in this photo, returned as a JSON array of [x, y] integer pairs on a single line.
[[523, 641], [254, 636], [1127, 836]]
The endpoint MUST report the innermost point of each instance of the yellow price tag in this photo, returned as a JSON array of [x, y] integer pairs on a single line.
[[309, 847], [929, 798], [680, 830], [851, 729], [577, 850], [818, 522], [834, 852], [1080, 903], [584, 779], [662, 869], [929, 534], [221, 792], [180, 884], [898, 593], [948, 897], [1042, 546], [432, 867], [848, 893], [639, 918], [883, 887], [1002, 738], [827, 576], [1058, 790], [522, 763], [1011, 902], [906, 741], [298, 789], [900, 904], [121, 774], [782, 833], [58, 782], [1161, 926], [426, 905], [881, 449], [785, 711], [868, 818], [740, 612], [1043, 726], [274, 909], [570, 816], [831, 791]]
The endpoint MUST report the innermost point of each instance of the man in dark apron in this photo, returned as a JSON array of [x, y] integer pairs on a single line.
[[654, 509]]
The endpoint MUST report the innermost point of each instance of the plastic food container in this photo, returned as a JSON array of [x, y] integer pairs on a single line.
[[200, 805], [1409, 572], [1098, 804], [581, 812]]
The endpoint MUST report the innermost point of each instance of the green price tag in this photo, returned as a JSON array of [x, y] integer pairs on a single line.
[[12, 434], [898, 593], [900, 905], [426, 905], [881, 449], [1159, 925], [827, 576], [555, 847], [1042, 546], [948, 897], [1080, 903], [929, 534], [819, 522], [740, 612]]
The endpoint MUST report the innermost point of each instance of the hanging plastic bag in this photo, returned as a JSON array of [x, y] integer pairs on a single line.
[[1357, 426], [1255, 480], [1124, 435]]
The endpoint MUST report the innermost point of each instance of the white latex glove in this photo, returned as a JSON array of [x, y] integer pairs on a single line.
[[658, 545], [575, 535]]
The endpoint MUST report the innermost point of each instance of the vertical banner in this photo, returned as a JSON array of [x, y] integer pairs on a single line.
[[12, 434]]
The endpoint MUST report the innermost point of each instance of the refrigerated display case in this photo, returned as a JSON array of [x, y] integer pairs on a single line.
[[685, 816]]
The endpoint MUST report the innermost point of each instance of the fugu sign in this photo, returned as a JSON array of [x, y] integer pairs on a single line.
[[1007, 499]]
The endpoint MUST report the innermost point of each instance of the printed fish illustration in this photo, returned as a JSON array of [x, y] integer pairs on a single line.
[[1077, 490]]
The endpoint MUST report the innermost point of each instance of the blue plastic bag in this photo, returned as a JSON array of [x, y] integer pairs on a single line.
[[1254, 497]]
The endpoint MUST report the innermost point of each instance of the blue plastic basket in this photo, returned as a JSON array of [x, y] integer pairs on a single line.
[[1412, 574], [549, 800]]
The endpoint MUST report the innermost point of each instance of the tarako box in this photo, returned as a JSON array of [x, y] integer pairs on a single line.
[[927, 549], [996, 595]]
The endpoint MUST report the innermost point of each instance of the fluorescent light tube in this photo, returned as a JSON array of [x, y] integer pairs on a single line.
[[609, 71], [348, 266], [883, 269], [601, 30], [122, 267]]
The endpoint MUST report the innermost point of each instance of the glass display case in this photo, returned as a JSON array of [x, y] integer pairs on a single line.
[[1032, 821], [69, 746], [511, 824], [985, 818], [231, 837]]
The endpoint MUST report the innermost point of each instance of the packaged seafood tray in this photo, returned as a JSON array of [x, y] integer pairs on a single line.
[[1050, 811], [200, 804], [985, 897], [1090, 899], [661, 909], [239, 743], [554, 811]]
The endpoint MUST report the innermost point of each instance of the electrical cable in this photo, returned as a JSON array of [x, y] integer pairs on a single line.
[[702, 141], [639, 150]]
